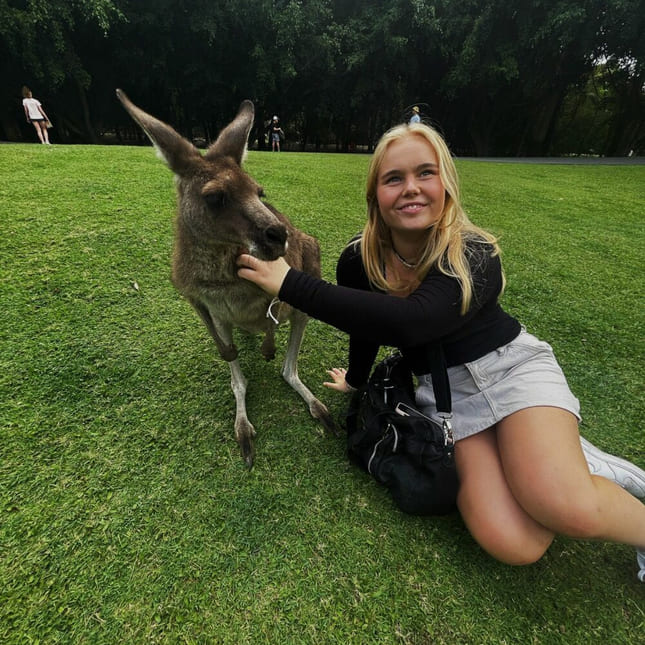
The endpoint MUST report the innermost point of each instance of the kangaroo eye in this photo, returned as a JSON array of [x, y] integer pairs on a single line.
[[216, 199]]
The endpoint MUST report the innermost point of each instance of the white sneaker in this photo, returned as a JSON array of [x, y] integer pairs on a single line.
[[622, 472], [640, 558]]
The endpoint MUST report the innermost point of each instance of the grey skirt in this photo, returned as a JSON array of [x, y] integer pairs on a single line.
[[522, 374]]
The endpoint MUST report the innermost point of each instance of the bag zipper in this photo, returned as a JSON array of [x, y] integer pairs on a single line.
[[406, 411]]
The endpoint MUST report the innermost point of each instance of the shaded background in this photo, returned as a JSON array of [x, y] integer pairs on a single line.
[[508, 79]]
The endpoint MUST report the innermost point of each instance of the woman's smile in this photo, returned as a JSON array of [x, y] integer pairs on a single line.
[[413, 207]]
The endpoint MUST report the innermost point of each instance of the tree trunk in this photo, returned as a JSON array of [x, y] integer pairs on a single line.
[[86, 113]]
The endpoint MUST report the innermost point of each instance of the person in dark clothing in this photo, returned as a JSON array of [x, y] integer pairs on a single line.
[[276, 134], [423, 278]]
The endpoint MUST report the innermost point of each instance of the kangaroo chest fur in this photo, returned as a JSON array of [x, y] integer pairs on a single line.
[[235, 306], [207, 273]]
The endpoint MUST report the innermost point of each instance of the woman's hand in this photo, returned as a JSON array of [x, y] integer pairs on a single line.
[[339, 383], [269, 276]]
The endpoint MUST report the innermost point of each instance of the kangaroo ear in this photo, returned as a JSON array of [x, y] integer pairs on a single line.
[[179, 154], [232, 140]]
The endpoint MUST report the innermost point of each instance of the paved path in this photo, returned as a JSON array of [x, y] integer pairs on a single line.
[[583, 161]]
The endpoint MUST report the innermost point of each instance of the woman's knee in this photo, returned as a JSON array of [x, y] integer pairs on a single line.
[[518, 554], [511, 537], [511, 547]]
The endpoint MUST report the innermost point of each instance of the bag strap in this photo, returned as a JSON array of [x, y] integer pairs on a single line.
[[438, 372], [440, 381]]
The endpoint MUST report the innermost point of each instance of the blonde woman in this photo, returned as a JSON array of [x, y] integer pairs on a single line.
[[423, 278], [35, 115]]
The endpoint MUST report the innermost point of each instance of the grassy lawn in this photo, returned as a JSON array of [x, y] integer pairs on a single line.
[[126, 514]]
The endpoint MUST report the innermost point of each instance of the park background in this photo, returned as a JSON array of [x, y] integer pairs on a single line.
[[528, 78], [126, 513]]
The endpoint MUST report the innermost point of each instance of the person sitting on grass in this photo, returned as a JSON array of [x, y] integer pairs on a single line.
[[422, 278]]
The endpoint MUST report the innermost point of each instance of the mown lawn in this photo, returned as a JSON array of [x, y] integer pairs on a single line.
[[126, 513]]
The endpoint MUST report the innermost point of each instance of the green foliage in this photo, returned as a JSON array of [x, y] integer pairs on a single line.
[[126, 514], [495, 75], [39, 34]]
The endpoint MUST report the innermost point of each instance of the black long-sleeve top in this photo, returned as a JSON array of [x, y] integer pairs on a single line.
[[427, 319]]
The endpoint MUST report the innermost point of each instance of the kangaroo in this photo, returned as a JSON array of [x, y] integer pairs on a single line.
[[220, 213]]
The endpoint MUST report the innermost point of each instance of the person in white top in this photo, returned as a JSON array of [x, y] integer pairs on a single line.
[[35, 115]]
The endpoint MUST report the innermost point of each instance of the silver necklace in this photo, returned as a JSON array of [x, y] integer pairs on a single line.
[[404, 262]]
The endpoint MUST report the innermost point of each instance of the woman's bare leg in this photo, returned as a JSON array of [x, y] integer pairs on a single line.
[[36, 125], [487, 505], [44, 134], [548, 475]]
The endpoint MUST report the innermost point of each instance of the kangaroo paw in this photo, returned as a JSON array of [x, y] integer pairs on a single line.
[[247, 448], [320, 412], [244, 433]]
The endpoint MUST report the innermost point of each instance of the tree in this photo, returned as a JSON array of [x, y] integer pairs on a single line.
[[621, 52], [496, 77], [388, 58], [512, 64], [37, 46]]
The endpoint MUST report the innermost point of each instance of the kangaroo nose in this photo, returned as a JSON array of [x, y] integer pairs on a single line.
[[276, 235]]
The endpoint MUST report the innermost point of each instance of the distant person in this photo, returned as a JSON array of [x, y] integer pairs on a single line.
[[276, 133], [35, 115], [415, 118]]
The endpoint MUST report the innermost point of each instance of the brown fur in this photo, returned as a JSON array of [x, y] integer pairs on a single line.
[[220, 212]]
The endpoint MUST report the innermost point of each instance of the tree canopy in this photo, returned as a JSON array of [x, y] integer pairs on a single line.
[[531, 77]]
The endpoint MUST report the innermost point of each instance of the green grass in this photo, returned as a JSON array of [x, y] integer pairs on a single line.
[[126, 514]]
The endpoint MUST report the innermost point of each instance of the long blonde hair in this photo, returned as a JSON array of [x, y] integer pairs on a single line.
[[446, 246]]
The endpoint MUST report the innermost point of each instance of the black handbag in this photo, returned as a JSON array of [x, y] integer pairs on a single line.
[[408, 452]]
